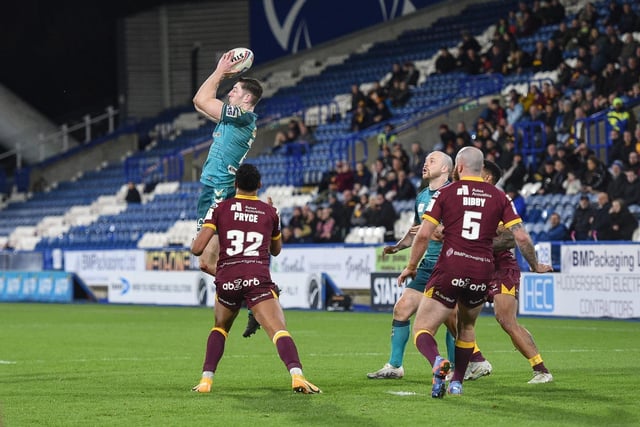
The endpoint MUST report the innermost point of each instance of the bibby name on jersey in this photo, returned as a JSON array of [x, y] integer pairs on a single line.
[[473, 201]]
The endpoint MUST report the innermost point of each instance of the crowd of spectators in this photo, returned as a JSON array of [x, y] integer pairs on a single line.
[[602, 75]]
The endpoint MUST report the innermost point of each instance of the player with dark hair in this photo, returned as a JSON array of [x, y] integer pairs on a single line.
[[232, 138], [463, 271], [503, 292], [247, 231]]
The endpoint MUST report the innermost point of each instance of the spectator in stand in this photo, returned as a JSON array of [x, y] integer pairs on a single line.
[[310, 219], [299, 226], [623, 222], [461, 131], [628, 21], [599, 59], [344, 178], [562, 35], [545, 177], [362, 176], [557, 230], [387, 136], [469, 42], [617, 181], [445, 63], [595, 178], [613, 14], [515, 176], [287, 235], [362, 118], [405, 188], [601, 220], [470, 62], [560, 177], [380, 112], [296, 131], [580, 228], [348, 205], [357, 96], [552, 56], [538, 55], [398, 74], [578, 159], [411, 74], [383, 215], [572, 184], [607, 80], [514, 110], [628, 48], [326, 230], [416, 160], [631, 192], [447, 136], [133, 195], [633, 162], [362, 212], [497, 59], [399, 94], [629, 74], [620, 118]]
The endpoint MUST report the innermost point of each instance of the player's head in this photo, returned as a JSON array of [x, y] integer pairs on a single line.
[[248, 178], [247, 91], [436, 164], [469, 162], [491, 173]]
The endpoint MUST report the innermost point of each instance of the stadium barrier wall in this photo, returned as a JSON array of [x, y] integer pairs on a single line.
[[591, 279]]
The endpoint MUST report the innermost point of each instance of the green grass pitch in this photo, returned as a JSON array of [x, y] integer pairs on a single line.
[[84, 364]]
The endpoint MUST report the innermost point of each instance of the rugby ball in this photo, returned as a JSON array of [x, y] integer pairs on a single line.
[[244, 58]]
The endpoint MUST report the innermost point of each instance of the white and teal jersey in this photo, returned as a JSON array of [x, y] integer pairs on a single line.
[[422, 201], [232, 139]]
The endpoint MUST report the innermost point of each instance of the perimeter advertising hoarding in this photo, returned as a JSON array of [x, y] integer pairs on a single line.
[[350, 268], [95, 267], [297, 290], [586, 294], [42, 286]]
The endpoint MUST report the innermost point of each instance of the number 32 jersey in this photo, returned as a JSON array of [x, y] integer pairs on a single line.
[[470, 211], [245, 226]]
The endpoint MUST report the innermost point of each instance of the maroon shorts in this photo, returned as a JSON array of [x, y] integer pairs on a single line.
[[450, 289], [505, 281], [252, 290]]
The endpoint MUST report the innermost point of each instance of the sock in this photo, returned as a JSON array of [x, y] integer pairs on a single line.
[[537, 364], [295, 371], [477, 354], [451, 347], [287, 349], [400, 331], [207, 374], [464, 350], [215, 349], [426, 345]]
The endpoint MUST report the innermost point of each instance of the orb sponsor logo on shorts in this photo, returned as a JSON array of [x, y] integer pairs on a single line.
[[466, 284], [238, 284]]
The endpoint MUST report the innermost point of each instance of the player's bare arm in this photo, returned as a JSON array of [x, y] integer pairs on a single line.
[[202, 239], [523, 240], [418, 248], [504, 240], [276, 244], [205, 100], [403, 243]]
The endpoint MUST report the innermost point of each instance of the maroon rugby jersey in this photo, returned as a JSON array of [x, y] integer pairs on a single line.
[[470, 211], [245, 226]]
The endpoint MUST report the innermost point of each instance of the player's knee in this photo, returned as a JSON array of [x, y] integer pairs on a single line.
[[401, 311], [506, 322]]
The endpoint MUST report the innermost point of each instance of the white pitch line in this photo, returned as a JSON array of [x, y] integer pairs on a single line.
[[7, 362]]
